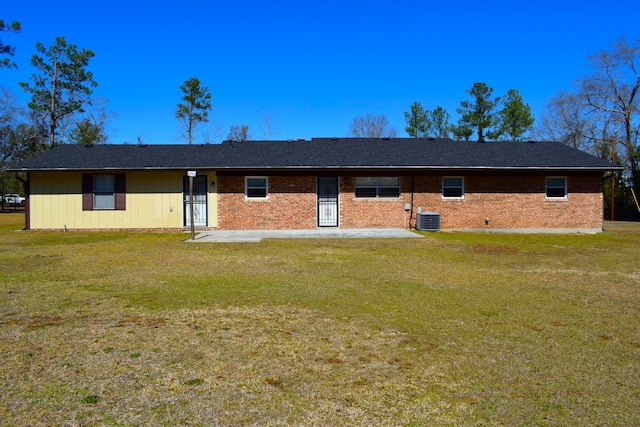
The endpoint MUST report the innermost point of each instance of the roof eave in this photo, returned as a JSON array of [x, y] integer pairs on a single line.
[[333, 168]]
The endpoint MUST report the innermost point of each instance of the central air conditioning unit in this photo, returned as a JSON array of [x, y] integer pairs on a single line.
[[428, 221]]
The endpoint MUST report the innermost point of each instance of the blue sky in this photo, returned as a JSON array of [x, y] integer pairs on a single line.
[[315, 65]]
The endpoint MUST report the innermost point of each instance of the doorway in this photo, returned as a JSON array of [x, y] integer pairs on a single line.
[[327, 189], [199, 201]]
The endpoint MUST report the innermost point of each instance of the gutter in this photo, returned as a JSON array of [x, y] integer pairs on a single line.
[[330, 168]]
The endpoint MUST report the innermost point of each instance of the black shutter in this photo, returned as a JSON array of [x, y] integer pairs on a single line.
[[121, 189], [87, 192]]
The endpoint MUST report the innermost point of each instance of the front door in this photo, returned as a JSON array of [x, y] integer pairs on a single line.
[[199, 201], [327, 201]]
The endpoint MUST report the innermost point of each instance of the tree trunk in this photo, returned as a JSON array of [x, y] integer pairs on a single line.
[[52, 107]]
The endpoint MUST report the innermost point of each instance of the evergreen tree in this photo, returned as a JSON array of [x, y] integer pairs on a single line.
[[197, 103], [6, 49], [63, 86], [418, 123], [440, 126], [515, 117], [87, 132], [479, 114], [462, 130]]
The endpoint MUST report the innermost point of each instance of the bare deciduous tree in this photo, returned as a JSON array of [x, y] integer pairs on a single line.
[[9, 109], [212, 134], [567, 118], [239, 133], [564, 120], [371, 126], [612, 89], [267, 127], [601, 114]]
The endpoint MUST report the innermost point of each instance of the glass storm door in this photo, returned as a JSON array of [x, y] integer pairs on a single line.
[[199, 201], [327, 201]]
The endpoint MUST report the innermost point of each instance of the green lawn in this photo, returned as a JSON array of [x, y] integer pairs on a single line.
[[454, 329]]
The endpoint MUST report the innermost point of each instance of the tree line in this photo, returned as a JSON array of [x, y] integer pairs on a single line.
[[507, 117], [600, 114]]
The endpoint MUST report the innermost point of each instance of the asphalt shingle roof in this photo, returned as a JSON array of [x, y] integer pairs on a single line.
[[320, 153]]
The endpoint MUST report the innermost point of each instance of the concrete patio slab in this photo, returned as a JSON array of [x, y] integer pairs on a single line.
[[258, 235]]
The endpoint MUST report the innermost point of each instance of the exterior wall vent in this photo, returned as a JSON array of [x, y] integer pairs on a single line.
[[428, 221]]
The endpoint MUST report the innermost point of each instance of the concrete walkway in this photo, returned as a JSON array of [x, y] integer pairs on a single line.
[[326, 233]]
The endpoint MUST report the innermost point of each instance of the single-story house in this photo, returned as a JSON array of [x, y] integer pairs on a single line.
[[324, 182]]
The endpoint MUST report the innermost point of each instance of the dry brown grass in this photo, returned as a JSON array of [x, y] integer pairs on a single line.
[[235, 366], [455, 329]]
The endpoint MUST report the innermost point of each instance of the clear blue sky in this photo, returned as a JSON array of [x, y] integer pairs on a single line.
[[315, 65]]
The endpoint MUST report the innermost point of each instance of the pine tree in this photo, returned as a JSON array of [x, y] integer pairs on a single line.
[[196, 107], [515, 117], [418, 123], [479, 114], [63, 86]]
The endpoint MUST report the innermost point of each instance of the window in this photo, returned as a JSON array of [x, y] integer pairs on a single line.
[[256, 187], [103, 192], [377, 186], [452, 187], [556, 187]]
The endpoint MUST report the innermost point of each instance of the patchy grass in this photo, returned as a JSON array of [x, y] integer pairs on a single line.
[[453, 329], [11, 221]]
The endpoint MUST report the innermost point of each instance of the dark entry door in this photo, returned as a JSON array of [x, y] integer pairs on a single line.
[[327, 201], [199, 201]]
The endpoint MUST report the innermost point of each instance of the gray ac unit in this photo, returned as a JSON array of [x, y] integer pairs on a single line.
[[428, 221]]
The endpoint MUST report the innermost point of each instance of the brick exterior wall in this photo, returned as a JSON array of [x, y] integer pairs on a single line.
[[513, 202], [291, 204], [506, 201]]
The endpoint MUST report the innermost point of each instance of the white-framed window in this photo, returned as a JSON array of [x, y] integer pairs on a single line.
[[556, 187], [256, 187], [452, 187], [104, 191], [377, 186]]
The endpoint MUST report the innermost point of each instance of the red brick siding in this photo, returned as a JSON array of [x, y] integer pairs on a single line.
[[506, 201], [513, 202], [290, 204], [358, 212]]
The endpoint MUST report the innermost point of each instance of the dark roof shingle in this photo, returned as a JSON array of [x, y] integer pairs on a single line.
[[320, 153]]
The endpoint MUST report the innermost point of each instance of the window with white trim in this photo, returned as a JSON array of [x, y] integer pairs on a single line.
[[256, 187], [453, 187], [377, 186], [556, 187]]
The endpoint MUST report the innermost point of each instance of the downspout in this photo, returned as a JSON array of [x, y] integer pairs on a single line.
[[411, 211]]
